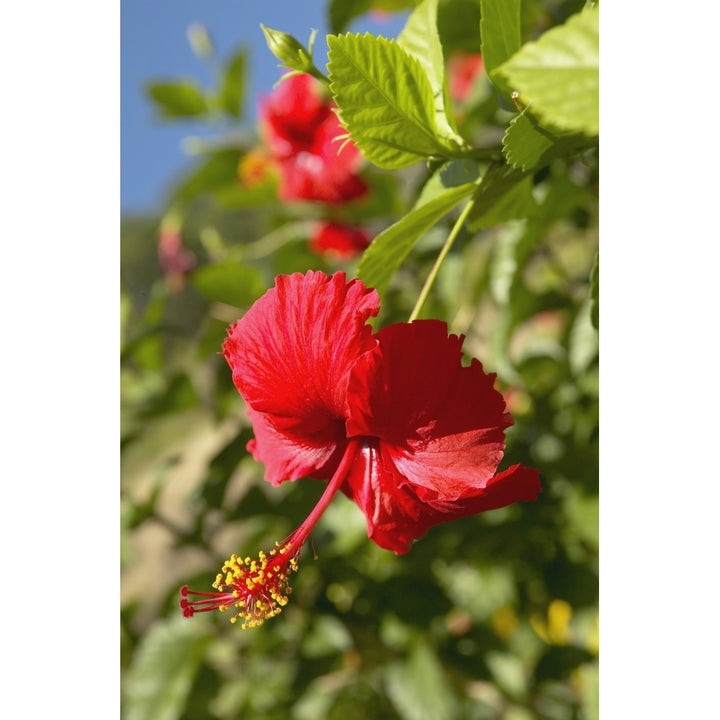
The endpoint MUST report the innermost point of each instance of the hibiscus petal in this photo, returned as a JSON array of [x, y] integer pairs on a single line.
[[395, 514], [291, 355], [443, 423]]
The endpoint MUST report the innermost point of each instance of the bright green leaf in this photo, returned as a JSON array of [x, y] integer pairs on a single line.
[[389, 115], [501, 37], [420, 38], [388, 250], [528, 145], [162, 672], [229, 282], [178, 99], [558, 76], [233, 85]]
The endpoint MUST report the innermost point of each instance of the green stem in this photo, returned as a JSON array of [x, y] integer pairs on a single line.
[[440, 258]]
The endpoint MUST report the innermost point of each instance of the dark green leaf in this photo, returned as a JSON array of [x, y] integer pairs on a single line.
[[501, 37], [595, 293], [389, 115], [388, 250], [229, 282], [178, 99], [459, 26], [342, 12], [233, 85], [559, 661], [501, 196]]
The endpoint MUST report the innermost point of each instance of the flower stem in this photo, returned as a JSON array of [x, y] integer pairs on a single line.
[[440, 258], [301, 534]]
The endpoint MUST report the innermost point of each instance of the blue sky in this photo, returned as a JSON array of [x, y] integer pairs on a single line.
[[154, 46]]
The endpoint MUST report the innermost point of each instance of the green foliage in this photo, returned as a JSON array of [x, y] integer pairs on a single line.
[[501, 37], [393, 245], [390, 116], [558, 75], [291, 53], [491, 617], [233, 85]]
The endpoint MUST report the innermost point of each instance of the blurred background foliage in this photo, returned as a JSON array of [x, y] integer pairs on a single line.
[[490, 617]]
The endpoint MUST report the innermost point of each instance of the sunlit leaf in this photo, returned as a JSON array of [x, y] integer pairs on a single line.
[[388, 250], [389, 115], [420, 38], [501, 38], [558, 75], [528, 145], [179, 99]]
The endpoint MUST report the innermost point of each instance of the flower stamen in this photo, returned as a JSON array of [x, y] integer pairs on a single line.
[[259, 588]]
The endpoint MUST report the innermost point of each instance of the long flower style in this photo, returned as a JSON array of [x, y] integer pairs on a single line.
[[393, 419]]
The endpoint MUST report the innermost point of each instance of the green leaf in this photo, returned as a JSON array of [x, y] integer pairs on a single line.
[[219, 170], [420, 38], [528, 145], [229, 282], [161, 675], [389, 115], [178, 99], [388, 250], [558, 75], [233, 85], [501, 37], [418, 688], [342, 12], [595, 293], [501, 197], [459, 26]]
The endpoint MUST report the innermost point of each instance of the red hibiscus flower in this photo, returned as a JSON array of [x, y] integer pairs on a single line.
[[341, 241], [463, 69], [392, 419], [308, 144]]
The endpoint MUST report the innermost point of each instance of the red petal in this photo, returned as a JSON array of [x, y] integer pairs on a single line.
[[443, 423], [396, 515], [291, 355]]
